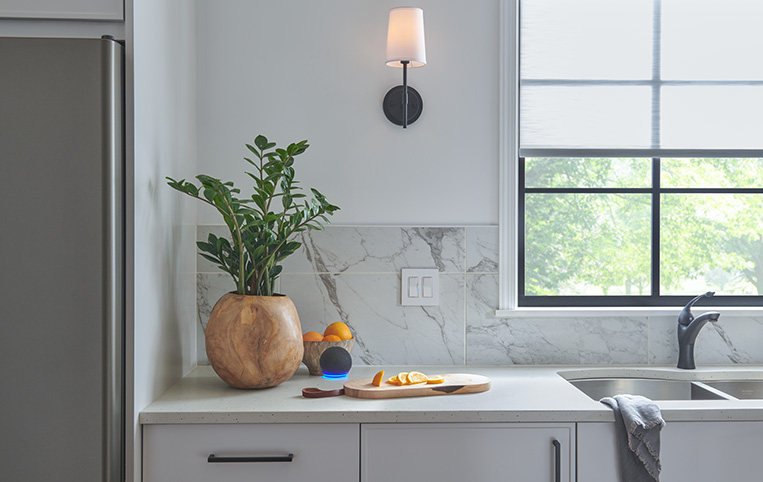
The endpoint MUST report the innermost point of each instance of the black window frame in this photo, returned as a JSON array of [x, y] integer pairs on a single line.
[[653, 299]]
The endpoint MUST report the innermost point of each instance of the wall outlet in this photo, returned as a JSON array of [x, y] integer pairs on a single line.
[[420, 287]]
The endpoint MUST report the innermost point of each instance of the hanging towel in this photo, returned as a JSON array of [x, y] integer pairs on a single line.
[[638, 422]]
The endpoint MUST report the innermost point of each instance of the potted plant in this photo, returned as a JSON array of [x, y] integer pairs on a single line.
[[253, 337]]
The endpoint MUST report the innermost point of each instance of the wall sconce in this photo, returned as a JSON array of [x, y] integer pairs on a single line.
[[405, 48]]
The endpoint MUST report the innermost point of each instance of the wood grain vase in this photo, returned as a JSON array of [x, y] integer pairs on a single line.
[[254, 341]]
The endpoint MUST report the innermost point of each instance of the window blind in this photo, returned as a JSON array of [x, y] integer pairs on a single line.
[[640, 77]]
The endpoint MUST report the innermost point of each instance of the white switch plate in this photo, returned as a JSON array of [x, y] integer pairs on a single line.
[[420, 287]]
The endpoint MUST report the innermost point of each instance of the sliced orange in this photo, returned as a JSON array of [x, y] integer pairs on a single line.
[[394, 380], [377, 381], [417, 377], [436, 379], [402, 378]]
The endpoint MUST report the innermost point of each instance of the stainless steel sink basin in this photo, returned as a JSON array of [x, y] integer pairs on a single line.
[[741, 389], [598, 388]]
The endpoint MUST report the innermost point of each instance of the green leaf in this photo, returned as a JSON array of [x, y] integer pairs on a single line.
[[261, 142], [292, 245], [254, 151], [210, 195], [210, 258], [207, 247]]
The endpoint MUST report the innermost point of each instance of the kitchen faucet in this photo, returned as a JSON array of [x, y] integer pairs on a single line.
[[688, 329]]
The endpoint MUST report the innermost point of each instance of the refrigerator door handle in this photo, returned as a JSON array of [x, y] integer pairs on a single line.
[[114, 269]]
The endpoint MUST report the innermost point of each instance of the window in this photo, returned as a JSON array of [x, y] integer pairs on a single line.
[[639, 161], [634, 231]]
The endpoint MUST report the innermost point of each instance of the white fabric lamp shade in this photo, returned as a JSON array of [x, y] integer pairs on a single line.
[[405, 37]]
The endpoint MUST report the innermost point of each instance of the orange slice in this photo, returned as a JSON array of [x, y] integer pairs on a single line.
[[402, 378], [377, 381], [393, 380], [435, 380], [417, 377]]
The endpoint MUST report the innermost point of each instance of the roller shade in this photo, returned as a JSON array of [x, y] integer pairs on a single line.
[[618, 77]]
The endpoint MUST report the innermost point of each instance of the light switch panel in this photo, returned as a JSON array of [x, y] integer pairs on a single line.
[[420, 287]]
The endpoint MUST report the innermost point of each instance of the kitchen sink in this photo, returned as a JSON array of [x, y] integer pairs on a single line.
[[654, 389], [741, 389]]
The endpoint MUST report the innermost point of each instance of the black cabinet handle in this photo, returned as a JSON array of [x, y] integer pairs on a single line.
[[270, 458], [557, 460]]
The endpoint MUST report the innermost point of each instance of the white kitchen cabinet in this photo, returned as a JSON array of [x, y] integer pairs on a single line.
[[63, 9], [450, 452], [181, 452], [690, 452]]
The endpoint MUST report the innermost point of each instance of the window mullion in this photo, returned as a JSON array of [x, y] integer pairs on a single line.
[[656, 114], [656, 198], [521, 216], [656, 72]]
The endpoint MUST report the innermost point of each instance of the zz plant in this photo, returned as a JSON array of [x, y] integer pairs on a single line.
[[261, 227]]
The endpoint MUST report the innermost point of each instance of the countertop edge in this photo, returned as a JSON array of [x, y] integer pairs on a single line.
[[512, 416]]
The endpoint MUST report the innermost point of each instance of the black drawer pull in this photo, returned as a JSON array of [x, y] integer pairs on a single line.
[[270, 458], [557, 460]]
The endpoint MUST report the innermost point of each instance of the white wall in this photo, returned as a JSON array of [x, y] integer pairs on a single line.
[[162, 51], [305, 69]]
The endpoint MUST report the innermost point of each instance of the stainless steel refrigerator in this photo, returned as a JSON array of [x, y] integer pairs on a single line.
[[61, 260]]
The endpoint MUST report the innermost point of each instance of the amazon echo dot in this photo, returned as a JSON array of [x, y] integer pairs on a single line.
[[335, 362]]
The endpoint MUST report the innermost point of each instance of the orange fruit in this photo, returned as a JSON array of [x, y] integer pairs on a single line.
[[393, 380], [402, 378], [417, 377], [312, 336], [339, 329], [331, 338], [435, 380], [377, 381]]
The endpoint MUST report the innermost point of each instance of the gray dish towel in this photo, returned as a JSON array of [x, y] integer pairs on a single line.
[[638, 422]]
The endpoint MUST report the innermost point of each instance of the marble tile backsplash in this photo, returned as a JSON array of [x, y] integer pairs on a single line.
[[352, 274]]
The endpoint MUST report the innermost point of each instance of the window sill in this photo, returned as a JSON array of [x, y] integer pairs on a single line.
[[581, 312]]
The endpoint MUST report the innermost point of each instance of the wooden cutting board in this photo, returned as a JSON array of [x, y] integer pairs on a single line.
[[455, 383]]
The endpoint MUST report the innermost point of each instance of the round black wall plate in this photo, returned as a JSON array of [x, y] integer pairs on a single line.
[[393, 105]]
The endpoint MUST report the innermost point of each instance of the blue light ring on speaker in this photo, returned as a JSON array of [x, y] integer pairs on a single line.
[[334, 376]]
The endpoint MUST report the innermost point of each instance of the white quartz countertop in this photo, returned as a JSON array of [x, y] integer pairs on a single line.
[[517, 394]]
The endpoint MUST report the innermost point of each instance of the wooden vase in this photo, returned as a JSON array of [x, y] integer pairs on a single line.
[[254, 341]]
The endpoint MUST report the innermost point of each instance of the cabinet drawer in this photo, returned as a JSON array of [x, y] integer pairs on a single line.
[[181, 452], [489, 452], [689, 451], [63, 9]]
